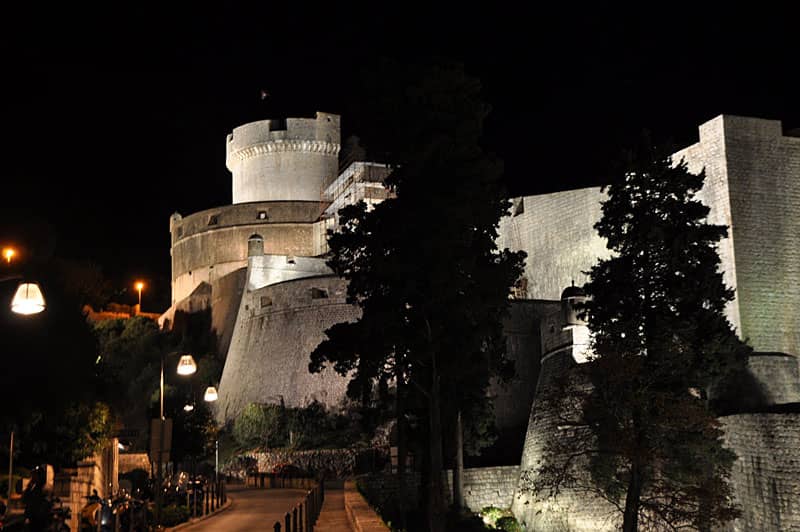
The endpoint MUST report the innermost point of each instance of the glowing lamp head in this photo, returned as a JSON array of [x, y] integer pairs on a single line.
[[8, 254], [139, 285], [211, 394], [188, 408], [186, 365], [28, 299]]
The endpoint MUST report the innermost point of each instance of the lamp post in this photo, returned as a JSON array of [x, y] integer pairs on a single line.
[[139, 285], [210, 396], [186, 366], [28, 299]]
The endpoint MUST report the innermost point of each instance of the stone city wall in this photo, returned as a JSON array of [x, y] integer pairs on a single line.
[[556, 231], [512, 401], [483, 486], [764, 182], [572, 509], [204, 253], [766, 474], [277, 328], [753, 187]]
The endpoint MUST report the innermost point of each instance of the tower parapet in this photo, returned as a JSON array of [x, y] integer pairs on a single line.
[[292, 159]]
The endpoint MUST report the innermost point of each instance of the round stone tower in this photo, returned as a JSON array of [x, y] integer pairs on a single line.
[[280, 160], [565, 345]]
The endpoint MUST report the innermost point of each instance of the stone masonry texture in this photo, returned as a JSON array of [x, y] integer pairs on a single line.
[[276, 330], [483, 486], [279, 173], [766, 474]]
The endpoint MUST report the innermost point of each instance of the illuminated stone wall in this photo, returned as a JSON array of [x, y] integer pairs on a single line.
[[483, 486], [753, 186], [556, 231], [572, 509], [766, 475], [277, 328], [210, 244], [292, 159]]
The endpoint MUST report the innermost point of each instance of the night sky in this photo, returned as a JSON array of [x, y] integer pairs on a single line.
[[114, 120]]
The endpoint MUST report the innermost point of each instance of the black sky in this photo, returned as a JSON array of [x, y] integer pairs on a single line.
[[114, 120]]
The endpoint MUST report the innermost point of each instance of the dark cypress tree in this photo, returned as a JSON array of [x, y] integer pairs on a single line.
[[423, 266]]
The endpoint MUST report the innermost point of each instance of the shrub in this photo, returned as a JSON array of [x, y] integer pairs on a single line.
[[491, 514], [174, 514], [509, 524]]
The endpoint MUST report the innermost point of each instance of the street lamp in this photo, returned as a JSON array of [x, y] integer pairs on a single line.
[[139, 285], [9, 253], [28, 299], [210, 395], [186, 366]]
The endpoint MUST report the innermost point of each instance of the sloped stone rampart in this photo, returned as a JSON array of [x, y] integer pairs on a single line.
[[276, 330]]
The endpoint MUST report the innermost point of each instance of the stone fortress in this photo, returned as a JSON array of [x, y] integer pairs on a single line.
[[258, 267]]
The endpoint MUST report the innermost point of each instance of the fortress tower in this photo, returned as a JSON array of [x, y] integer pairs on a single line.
[[257, 265], [283, 160], [280, 171]]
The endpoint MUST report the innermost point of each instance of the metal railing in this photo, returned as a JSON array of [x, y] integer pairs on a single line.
[[304, 515]]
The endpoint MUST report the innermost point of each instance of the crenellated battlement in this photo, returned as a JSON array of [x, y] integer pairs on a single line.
[[283, 160], [321, 134]]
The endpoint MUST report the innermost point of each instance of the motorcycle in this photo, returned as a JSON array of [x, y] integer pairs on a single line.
[[43, 512], [60, 515], [103, 514], [97, 514]]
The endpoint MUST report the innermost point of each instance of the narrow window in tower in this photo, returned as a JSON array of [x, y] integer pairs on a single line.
[[213, 219], [319, 293], [262, 215], [266, 301]]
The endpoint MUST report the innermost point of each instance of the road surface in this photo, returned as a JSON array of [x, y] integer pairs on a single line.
[[251, 509]]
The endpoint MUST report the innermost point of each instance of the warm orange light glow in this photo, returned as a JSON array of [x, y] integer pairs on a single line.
[[9, 253], [139, 285]]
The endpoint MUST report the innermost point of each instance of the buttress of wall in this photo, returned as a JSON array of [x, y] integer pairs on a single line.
[[277, 328], [557, 232], [220, 297], [764, 182], [709, 154], [753, 187]]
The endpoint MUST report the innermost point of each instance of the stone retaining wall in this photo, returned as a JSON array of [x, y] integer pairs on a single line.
[[483, 486]]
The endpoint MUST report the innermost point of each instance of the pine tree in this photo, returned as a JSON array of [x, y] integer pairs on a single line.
[[641, 409], [423, 267]]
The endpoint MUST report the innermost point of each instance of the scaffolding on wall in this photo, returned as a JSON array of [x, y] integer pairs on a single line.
[[360, 181]]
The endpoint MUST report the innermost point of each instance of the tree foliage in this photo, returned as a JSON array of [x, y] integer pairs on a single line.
[[423, 266], [639, 416], [263, 426]]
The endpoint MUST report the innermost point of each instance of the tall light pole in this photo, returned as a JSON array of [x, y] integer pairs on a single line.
[[186, 366], [28, 299], [139, 285], [210, 396]]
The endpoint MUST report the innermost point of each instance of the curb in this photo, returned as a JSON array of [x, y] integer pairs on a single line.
[[190, 522]]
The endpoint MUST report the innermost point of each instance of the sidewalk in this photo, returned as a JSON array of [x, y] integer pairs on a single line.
[[332, 518]]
